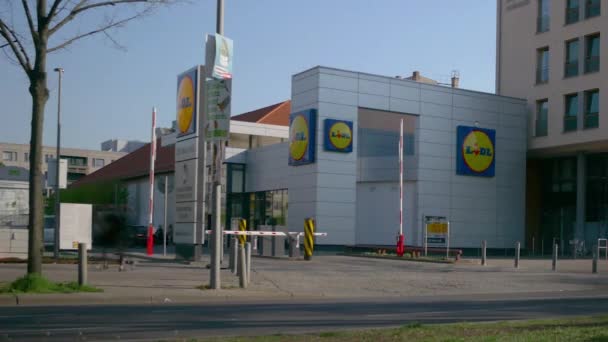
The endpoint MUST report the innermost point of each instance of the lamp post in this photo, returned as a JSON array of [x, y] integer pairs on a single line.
[[58, 159]]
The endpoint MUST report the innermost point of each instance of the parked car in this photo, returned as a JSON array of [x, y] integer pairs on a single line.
[[138, 234]]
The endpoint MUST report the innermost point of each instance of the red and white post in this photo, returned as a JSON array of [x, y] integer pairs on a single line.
[[150, 244], [400, 238]]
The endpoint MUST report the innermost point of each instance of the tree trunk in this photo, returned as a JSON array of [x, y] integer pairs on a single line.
[[40, 94]]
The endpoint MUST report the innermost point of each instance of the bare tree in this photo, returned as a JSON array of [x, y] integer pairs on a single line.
[[28, 44]]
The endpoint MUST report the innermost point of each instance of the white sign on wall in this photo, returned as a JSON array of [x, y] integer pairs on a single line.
[[76, 226]]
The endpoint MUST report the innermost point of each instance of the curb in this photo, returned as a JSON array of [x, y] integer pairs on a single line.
[[399, 258]]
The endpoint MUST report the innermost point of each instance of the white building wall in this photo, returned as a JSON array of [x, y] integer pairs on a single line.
[[479, 208]]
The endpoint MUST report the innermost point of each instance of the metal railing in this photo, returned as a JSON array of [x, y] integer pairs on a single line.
[[571, 69], [592, 64], [542, 23], [542, 75], [541, 128], [570, 123], [572, 15], [592, 9], [592, 120]]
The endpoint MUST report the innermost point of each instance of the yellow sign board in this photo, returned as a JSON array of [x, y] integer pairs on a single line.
[[437, 228]]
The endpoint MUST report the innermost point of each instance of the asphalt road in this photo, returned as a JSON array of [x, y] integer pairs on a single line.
[[157, 322]]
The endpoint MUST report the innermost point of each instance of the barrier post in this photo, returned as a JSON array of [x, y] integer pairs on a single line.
[[484, 245], [596, 252], [82, 264], [554, 261], [233, 254], [241, 266], [309, 243], [242, 228], [517, 251], [248, 261]]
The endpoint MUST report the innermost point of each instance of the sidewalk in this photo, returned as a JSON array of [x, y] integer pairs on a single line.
[[159, 279]]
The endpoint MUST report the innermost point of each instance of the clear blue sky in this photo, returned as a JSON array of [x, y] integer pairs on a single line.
[[109, 93]]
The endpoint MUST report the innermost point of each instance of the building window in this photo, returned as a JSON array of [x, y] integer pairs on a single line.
[[47, 157], [9, 156], [592, 108], [571, 68], [592, 53], [542, 69], [542, 114], [98, 162], [592, 8], [542, 23], [26, 157], [572, 11], [571, 115]]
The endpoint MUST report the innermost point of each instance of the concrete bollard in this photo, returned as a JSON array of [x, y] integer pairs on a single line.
[[554, 259], [517, 251], [82, 264], [241, 266], [294, 246], [594, 262], [309, 238], [248, 261], [233, 254], [484, 246]]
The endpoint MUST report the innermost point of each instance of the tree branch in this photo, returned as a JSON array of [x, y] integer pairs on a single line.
[[53, 10], [90, 33], [18, 50], [80, 7], [30, 20]]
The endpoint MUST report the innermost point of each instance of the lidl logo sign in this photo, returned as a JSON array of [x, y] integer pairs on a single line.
[[186, 102], [476, 152], [302, 126], [338, 135]]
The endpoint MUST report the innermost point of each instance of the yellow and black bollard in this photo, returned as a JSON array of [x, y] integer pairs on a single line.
[[309, 238], [242, 228]]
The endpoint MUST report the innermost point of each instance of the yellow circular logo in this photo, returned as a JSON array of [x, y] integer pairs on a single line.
[[298, 137], [478, 151], [340, 135], [185, 104]]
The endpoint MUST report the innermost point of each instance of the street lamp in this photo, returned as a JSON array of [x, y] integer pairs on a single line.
[[58, 159]]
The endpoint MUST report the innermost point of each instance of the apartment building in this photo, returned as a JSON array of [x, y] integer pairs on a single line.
[[553, 53], [80, 162]]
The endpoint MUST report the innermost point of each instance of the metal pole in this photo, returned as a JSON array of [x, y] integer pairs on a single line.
[[218, 146], [447, 250], [533, 253], [426, 246], [484, 259], [82, 264], [232, 261], [248, 261], [58, 159], [517, 251], [220, 17], [150, 239], [165, 226], [596, 252], [554, 261], [242, 269]]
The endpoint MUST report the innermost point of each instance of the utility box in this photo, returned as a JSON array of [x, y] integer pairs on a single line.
[[76, 226]]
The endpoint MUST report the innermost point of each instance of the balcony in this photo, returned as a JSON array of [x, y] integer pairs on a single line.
[[592, 64], [571, 69], [572, 15], [542, 75], [570, 123], [592, 120], [542, 24], [541, 128], [593, 9]]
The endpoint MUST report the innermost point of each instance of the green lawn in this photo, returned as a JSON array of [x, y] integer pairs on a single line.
[[591, 329], [39, 284]]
